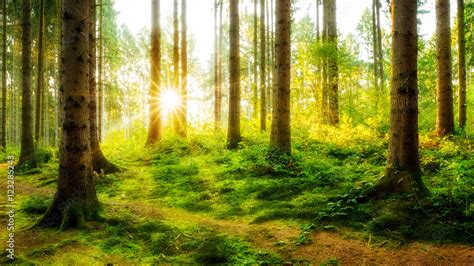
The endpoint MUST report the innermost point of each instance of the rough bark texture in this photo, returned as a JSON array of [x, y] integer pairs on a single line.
[[333, 69], [99, 163], [444, 111], [75, 200], [403, 173], [281, 131], [27, 143], [154, 130], [233, 130], [184, 71], [39, 122], [462, 104], [263, 73], [3, 137]]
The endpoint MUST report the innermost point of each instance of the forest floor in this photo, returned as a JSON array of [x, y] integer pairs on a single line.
[[191, 201]]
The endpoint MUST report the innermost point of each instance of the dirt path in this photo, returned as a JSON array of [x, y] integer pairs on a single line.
[[279, 237]]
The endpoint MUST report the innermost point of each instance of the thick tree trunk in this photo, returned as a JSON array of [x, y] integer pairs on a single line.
[[233, 130], [333, 69], [39, 122], [444, 111], [154, 130], [3, 137], [281, 130], [462, 104], [27, 143], [99, 163], [75, 200], [184, 71], [263, 73], [403, 173]]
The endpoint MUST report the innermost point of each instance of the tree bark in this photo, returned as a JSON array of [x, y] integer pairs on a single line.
[[255, 57], [333, 68], [3, 137], [375, 50], [444, 111], [27, 143], [99, 163], [40, 78], [403, 173], [75, 200], [281, 130], [325, 71], [154, 130], [183, 108], [100, 97], [379, 44], [263, 73], [216, 65], [462, 104], [233, 130]]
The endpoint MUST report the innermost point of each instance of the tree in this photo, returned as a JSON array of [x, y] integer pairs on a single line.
[[255, 56], [333, 72], [178, 124], [75, 200], [280, 138], [3, 137], [462, 105], [154, 130], [27, 144], [100, 97], [403, 173], [444, 111], [233, 130], [263, 51], [218, 63], [39, 122], [99, 162], [184, 71]]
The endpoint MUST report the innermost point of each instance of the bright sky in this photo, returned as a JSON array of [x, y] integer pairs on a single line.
[[136, 15]]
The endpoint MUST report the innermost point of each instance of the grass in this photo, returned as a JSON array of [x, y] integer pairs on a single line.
[[319, 188]]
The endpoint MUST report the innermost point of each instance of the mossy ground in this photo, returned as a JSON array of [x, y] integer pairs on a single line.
[[193, 201]]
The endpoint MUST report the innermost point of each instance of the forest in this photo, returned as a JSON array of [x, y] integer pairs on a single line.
[[237, 132]]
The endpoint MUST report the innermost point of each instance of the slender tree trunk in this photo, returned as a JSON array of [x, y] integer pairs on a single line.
[[75, 200], [176, 73], [216, 66], [263, 73], [403, 173], [375, 50], [333, 68], [444, 111], [27, 143], [154, 130], [233, 130], [325, 71], [219, 63], [318, 33], [100, 97], [462, 104], [379, 44], [281, 130], [3, 137], [184, 70], [99, 163], [40, 78], [255, 57]]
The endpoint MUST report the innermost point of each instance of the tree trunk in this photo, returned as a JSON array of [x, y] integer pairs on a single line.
[[154, 130], [100, 97], [462, 104], [444, 111], [99, 163], [40, 78], [255, 57], [219, 63], [233, 130], [403, 173], [379, 44], [216, 66], [325, 71], [27, 143], [375, 50], [176, 82], [3, 137], [184, 71], [263, 73], [75, 200], [333, 94], [281, 131]]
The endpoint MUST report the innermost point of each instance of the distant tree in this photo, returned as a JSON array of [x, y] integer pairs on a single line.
[[39, 122], [75, 200], [27, 143], [403, 173], [280, 138], [178, 126], [255, 57], [183, 108], [263, 74], [444, 112], [333, 72], [462, 104], [233, 130], [154, 130], [3, 137]]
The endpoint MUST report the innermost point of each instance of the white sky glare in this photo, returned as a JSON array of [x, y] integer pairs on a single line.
[[136, 15]]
